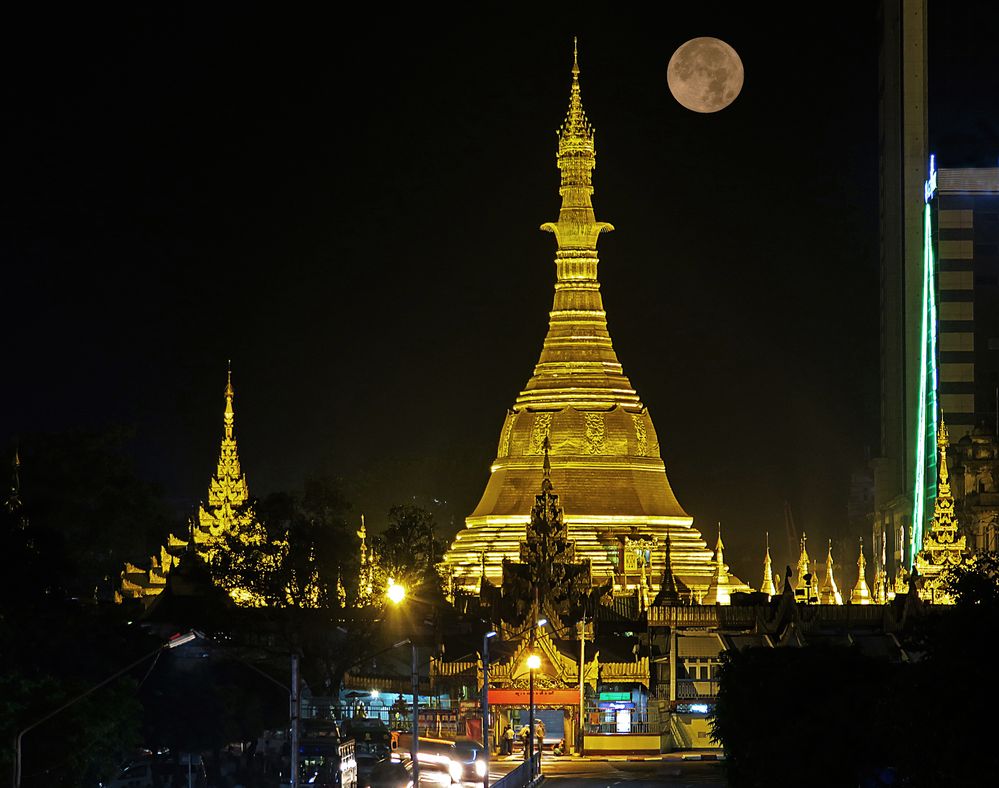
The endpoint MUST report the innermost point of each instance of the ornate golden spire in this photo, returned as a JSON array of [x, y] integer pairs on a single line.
[[767, 587], [829, 593], [861, 593], [942, 547], [807, 586], [721, 587], [578, 365], [227, 491], [365, 574], [228, 417]]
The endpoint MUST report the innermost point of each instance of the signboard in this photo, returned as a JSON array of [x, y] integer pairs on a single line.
[[542, 697], [615, 696], [615, 705]]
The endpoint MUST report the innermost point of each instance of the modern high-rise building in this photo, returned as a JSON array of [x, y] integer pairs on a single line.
[[901, 469], [965, 231]]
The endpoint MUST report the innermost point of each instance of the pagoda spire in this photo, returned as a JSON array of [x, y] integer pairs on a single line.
[[720, 589], [578, 365], [767, 587], [227, 491], [672, 590], [229, 416], [861, 593], [942, 548], [829, 594]]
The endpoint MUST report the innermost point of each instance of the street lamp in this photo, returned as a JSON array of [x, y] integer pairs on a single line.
[[533, 663], [486, 746], [396, 594], [173, 642]]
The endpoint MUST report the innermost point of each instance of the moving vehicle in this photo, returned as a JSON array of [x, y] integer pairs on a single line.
[[390, 773], [326, 757], [470, 758], [439, 761], [371, 736]]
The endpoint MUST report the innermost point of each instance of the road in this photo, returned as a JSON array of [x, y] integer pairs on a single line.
[[569, 773]]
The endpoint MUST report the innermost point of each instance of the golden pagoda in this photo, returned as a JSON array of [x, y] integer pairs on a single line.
[[942, 548], [767, 586], [806, 583], [722, 585], [229, 513], [861, 593], [605, 452], [829, 593]]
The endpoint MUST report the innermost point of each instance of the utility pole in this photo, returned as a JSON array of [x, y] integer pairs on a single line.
[[294, 714], [582, 668], [416, 720], [486, 745]]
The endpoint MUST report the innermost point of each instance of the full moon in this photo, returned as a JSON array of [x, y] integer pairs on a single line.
[[705, 74]]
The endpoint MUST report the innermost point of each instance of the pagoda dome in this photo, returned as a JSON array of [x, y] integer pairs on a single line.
[[590, 450]]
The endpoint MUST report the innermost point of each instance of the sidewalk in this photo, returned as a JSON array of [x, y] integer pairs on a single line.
[[679, 755]]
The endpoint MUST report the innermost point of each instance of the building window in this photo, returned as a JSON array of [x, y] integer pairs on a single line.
[[957, 280], [957, 340], [957, 310]]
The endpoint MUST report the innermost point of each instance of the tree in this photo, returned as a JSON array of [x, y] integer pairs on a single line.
[[409, 550], [290, 554], [88, 507]]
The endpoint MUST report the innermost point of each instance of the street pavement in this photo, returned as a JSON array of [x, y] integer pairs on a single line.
[[672, 772]]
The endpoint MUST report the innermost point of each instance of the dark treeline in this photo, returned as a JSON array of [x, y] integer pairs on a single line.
[[830, 716], [78, 511]]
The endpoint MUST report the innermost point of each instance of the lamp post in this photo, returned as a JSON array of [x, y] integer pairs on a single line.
[[174, 642], [486, 746], [533, 663], [396, 593]]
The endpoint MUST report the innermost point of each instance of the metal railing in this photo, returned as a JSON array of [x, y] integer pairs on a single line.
[[696, 689], [522, 775], [644, 719]]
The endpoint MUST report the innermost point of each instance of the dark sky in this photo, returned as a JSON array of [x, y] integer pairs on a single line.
[[348, 208]]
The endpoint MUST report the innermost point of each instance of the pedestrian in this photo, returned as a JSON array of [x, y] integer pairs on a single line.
[[539, 733], [525, 737], [508, 741]]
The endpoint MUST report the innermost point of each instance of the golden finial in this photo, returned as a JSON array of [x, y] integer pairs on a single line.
[[575, 56], [768, 587], [228, 416]]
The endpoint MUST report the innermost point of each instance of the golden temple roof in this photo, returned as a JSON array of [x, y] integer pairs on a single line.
[[942, 547], [605, 452]]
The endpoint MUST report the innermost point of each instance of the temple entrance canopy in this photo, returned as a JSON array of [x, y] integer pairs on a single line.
[[605, 452]]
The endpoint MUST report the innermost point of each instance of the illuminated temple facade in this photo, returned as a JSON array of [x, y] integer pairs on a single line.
[[605, 452], [228, 511]]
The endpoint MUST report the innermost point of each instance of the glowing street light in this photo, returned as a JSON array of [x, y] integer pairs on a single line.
[[395, 592], [486, 744], [533, 663]]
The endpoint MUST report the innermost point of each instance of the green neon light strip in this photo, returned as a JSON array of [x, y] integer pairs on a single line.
[[931, 436], [926, 426]]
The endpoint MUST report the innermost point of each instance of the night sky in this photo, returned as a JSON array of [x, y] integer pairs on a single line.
[[348, 208]]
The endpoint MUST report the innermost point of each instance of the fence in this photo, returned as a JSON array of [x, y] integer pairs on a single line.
[[643, 719], [522, 775]]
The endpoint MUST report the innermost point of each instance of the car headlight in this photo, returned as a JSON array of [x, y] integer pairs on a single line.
[[455, 770], [480, 768]]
